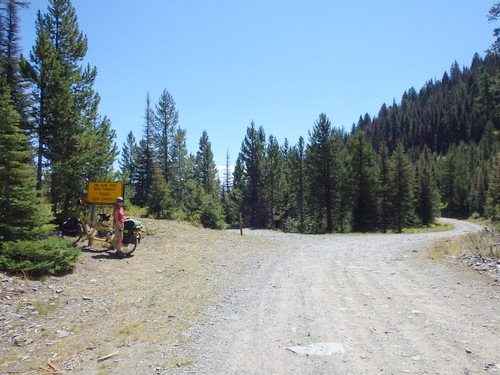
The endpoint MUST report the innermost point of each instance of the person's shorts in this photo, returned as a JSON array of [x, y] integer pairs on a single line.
[[118, 232]]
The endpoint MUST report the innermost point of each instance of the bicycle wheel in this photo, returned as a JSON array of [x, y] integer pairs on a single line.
[[128, 245], [73, 235]]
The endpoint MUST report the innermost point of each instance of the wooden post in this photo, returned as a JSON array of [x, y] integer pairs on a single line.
[[241, 224], [92, 218]]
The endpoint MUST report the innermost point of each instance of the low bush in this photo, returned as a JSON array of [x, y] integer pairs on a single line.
[[51, 256]]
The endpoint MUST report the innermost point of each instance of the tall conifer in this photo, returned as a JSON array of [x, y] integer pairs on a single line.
[[19, 208], [69, 130], [363, 182], [251, 183], [165, 126], [204, 168], [402, 188], [323, 162]]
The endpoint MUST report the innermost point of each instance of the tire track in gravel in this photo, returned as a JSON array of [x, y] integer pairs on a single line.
[[391, 311]]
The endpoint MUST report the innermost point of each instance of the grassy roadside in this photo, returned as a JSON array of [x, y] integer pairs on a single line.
[[136, 306]]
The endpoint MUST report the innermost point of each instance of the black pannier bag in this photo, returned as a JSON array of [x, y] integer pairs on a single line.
[[131, 224], [131, 232], [71, 226]]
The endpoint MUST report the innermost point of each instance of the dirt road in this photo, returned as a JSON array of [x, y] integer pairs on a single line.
[[367, 304], [194, 301]]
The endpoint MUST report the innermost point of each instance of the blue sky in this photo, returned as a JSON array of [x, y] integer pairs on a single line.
[[279, 63]]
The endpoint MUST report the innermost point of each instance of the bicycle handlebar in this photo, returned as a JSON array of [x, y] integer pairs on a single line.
[[81, 202]]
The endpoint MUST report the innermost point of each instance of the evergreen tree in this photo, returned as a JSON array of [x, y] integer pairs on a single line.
[[296, 161], [19, 208], [227, 175], [67, 106], [161, 204], [145, 159], [455, 181], [362, 179], [251, 183], [207, 204], [493, 202], [401, 188], [493, 15], [229, 206], [344, 195], [128, 160], [426, 193], [384, 190], [165, 127], [478, 193], [204, 168], [181, 168], [9, 45], [322, 163], [274, 182], [239, 185], [101, 151], [286, 188]]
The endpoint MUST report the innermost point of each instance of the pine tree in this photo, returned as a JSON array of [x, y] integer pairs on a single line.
[[227, 201], [10, 57], [401, 184], [227, 175], [19, 208], [362, 179], [204, 168], [161, 204], [493, 15], [251, 183], [101, 151], [239, 185], [296, 160], [181, 168], [67, 118], [165, 127], [273, 177], [322, 163], [426, 193], [286, 193], [128, 159], [203, 199], [384, 189], [145, 161], [493, 200]]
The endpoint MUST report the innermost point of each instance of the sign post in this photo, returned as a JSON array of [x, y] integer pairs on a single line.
[[104, 192]]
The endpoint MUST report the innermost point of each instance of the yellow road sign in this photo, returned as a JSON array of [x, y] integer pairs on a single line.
[[104, 192]]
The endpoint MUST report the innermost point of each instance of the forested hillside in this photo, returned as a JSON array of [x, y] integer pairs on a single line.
[[452, 120], [432, 153], [455, 109]]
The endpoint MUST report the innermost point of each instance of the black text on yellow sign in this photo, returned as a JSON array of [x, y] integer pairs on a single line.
[[104, 192]]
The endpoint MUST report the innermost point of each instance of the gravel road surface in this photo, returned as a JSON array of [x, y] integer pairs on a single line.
[[351, 304], [195, 301]]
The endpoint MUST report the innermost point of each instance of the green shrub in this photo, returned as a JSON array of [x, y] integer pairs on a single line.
[[212, 215], [37, 258], [292, 225]]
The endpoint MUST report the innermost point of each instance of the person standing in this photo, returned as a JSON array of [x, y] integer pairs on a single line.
[[118, 219]]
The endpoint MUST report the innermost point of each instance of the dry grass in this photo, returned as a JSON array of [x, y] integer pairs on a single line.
[[486, 243], [136, 304], [445, 247]]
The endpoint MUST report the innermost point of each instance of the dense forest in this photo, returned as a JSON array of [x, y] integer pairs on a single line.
[[433, 153]]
